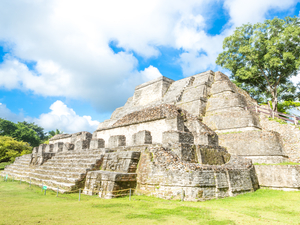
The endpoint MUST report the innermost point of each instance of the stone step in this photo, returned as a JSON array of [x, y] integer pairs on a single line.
[[100, 151], [91, 156], [63, 187], [60, 173], [65, 169], [17, 167], [46, 177], [72, 161], [18, 172], [70, 165]]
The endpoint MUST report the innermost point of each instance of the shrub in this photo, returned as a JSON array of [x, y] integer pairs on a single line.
[[11, 148]]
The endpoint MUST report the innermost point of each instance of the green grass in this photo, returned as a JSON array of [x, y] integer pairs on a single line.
[[283, 163], [3, 164], [21, 204]]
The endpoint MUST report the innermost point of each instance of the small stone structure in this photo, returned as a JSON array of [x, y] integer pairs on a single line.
[[165, 142]]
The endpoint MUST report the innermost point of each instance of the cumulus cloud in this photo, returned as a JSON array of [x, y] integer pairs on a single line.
[[69, 41], [150, 73], [7, 114], [65, 119], [60, 117]]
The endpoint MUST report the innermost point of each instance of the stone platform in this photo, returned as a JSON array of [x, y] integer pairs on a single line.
[[193, 136]]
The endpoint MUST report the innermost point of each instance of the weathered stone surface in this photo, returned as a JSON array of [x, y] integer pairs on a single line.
[[121, 161], [71, 138], [82, 145], [225, 101], [177, 137], [253, 143], [68, 147], [211, 155], [42, 148], [109, 184], [117, 141], [159, 168], [58, 147], [142, 137], [290, 136], [49, 148], [97, 143], [232, 120], [163, 141], [203, 135], [282, 177]]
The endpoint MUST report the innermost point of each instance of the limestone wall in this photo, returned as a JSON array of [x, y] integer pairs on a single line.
[[164, 175], [282, 177], [290, 136]]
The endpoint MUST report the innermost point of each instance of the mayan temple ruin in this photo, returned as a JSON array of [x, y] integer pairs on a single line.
[[194, 136]]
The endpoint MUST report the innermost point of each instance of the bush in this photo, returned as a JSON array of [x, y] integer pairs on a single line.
[[11, 148]]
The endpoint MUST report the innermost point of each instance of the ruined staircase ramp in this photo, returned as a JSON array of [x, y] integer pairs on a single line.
[[20, 169], [67, 170], [116, 177]]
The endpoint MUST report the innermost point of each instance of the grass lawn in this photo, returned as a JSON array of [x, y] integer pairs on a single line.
[[20, 204], [3, 164]]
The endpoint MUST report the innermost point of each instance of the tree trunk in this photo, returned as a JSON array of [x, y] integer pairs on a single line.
[[274, 99]]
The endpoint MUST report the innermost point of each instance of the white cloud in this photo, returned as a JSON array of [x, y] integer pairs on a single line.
[[69, 40], [65, 119], [6, 114], [244, 11], [150, 73], [60, 117]]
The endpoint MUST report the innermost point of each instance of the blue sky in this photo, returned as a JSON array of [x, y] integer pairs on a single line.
[[68, 64]]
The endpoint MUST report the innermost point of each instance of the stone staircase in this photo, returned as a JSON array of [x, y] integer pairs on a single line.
[[116, 177], [65, 170], [19, 169]]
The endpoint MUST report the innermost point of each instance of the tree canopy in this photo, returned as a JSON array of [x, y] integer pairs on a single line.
[[264, 57], [22, 131], [11, 148]]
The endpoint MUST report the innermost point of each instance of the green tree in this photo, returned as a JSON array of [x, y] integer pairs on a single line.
[[7, 128], [39, 130], [11, 148], [263, 57], [52, 133], [20, 131]]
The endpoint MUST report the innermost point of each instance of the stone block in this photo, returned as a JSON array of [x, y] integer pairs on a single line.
[[42, 148], [58, 147], [121, 161], [186, 152], [82, 145], [175, 90], [196, 108], [252, 143], [222, 86], [177, 137], [86, 135], [194, 93], [49, 148], [35, 150], [97, 143], [176, 123], [281, 177], [227, 120], [142, 137], [116, 141], [107, 184], [219, 76], [204, 78], [68, 147], [151, 91], [211, 155], [225, 101]]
